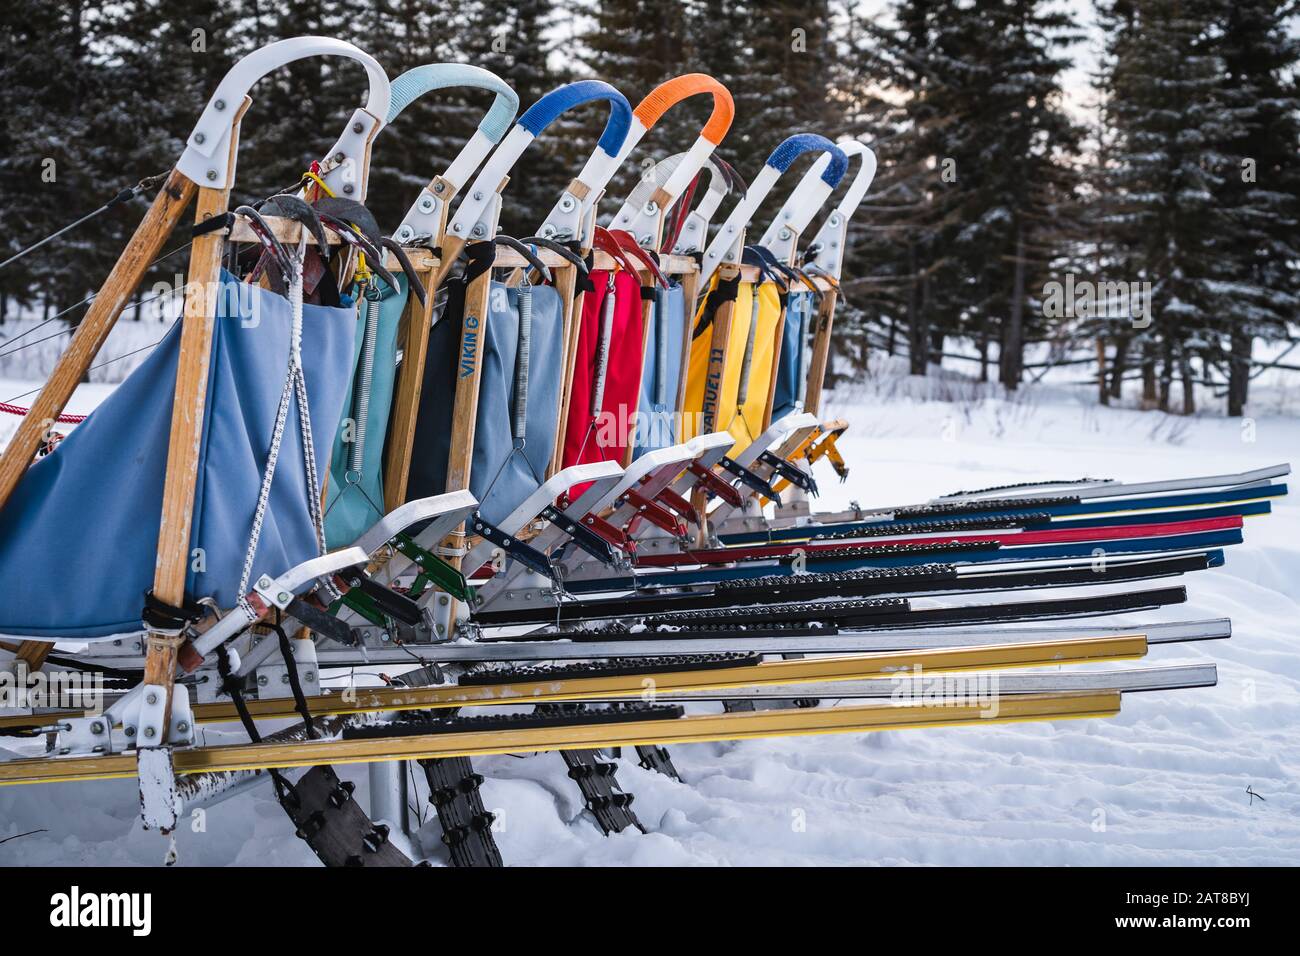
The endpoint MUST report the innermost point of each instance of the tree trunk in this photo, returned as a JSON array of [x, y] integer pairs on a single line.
[[1189, 386], [937, 342], [1239, 372], [1148, 376], [983, 346], [1166, 374], [1103, 393], [916, 332], [1011, 359], [1119, 367]]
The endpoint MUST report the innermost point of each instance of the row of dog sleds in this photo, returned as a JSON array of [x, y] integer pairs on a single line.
[[562, 480]]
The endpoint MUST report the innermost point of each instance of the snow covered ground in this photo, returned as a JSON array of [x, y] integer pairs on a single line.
[[1165, 782]]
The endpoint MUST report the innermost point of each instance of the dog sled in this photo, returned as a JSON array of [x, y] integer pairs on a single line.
[[546, 473]]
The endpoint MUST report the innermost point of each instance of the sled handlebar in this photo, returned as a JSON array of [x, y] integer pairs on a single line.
[[549, 108], [671, 92], [643, 219], [468, 223], [416, 82], [425, 217], [795, 146], [728, 244], [207, 159], [827, 247]]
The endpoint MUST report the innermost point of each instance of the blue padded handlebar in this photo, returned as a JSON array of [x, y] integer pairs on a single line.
[[801, 143], [438, 76], [545, 111]]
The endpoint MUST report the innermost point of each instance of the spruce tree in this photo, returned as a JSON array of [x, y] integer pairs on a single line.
[[1260, 191], [635, 45], [51, 171], [1164, 79], [977, 173], [425, 138], [515, 39]]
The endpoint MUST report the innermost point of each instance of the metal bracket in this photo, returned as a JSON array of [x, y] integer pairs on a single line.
[[789, 471], [525, 554], [433, 570], [584, 537], [273, 679], [750, 480], [448, 510]]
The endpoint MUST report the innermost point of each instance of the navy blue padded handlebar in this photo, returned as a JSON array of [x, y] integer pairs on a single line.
[[545, 111], [801, 143]]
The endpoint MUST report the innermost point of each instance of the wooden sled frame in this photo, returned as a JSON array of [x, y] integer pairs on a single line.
[[206, 169]]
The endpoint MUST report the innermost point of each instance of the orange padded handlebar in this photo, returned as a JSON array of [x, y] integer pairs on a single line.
[[671, 92]]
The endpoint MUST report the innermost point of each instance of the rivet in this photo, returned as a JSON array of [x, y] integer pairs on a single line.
[[199, 138], [212, 175], [357, 127], [219, 105]]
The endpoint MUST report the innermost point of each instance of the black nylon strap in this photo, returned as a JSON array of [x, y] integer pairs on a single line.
[[724, 292], [480, 255], [224, 221], [295, 681], [158, 615]]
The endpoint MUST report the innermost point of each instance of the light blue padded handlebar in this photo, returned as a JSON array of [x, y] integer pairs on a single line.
[[438, 76], [546, 110]]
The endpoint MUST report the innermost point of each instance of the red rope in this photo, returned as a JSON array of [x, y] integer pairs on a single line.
[[62, 419]]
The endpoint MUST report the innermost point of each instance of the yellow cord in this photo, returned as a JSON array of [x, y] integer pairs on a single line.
[[320, 183]]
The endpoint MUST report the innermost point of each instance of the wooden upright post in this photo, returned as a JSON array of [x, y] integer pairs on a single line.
[[719, 342], [197, 323], [776, 371], [566, 284], [464, 418], [416, 322], [690, 292], [820, 352]]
